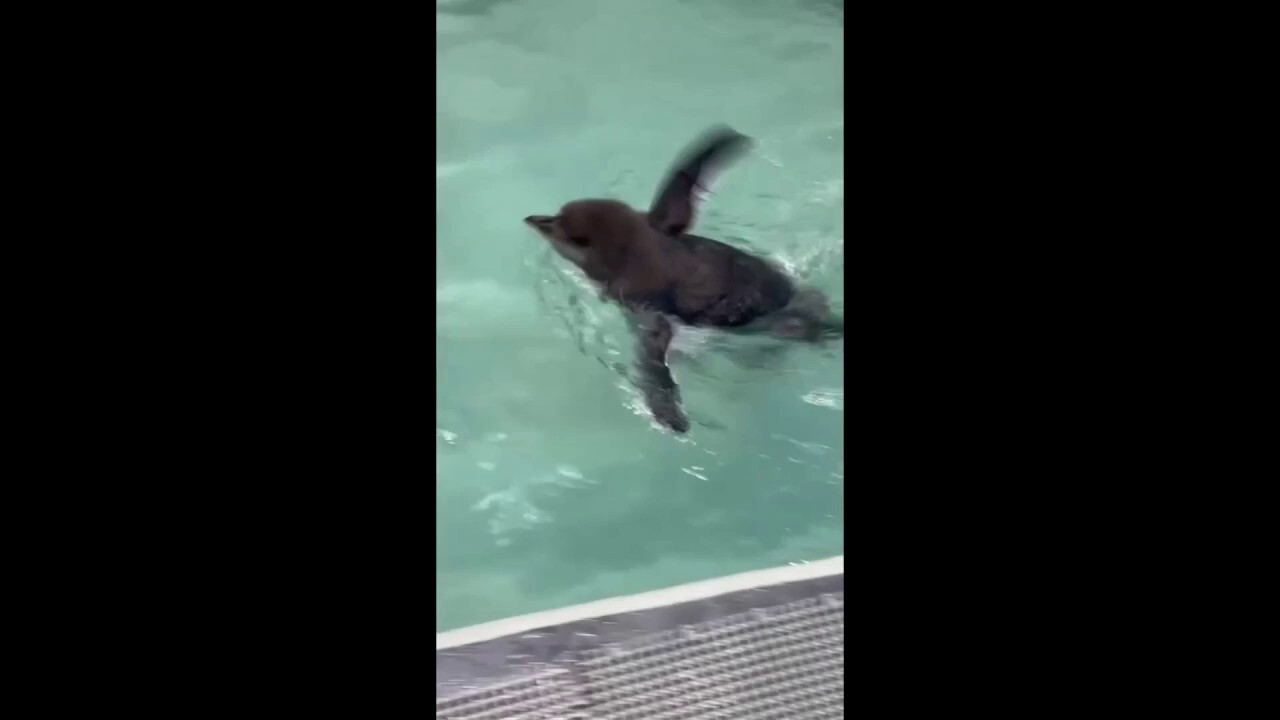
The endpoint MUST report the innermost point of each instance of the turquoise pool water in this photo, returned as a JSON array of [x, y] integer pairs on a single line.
[[553, 488]]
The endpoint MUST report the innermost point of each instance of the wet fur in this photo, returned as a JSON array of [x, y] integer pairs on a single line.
[[655, 270]]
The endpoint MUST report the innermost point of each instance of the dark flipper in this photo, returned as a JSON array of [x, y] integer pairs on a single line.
[[661, 394], [673, 208]]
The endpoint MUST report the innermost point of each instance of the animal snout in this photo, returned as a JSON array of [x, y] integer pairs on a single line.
[[542, 222]]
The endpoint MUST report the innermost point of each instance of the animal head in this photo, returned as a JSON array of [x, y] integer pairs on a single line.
[[615, 244], [596, 235]]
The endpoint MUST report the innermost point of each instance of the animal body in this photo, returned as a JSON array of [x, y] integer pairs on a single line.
[[658, 273]]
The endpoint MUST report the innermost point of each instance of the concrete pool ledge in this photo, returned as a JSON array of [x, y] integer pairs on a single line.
[[688, 592], [751, 645]]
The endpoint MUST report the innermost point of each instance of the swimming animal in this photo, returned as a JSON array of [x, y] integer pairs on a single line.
[[658, 273]]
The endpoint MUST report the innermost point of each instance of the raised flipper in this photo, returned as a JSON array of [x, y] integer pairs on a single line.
[[672, 211], [661, 395]]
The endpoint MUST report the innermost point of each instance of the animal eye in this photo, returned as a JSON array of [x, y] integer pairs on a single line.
[[579, 241]]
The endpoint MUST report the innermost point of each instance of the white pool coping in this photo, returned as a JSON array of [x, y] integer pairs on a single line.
[[641, 601]]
